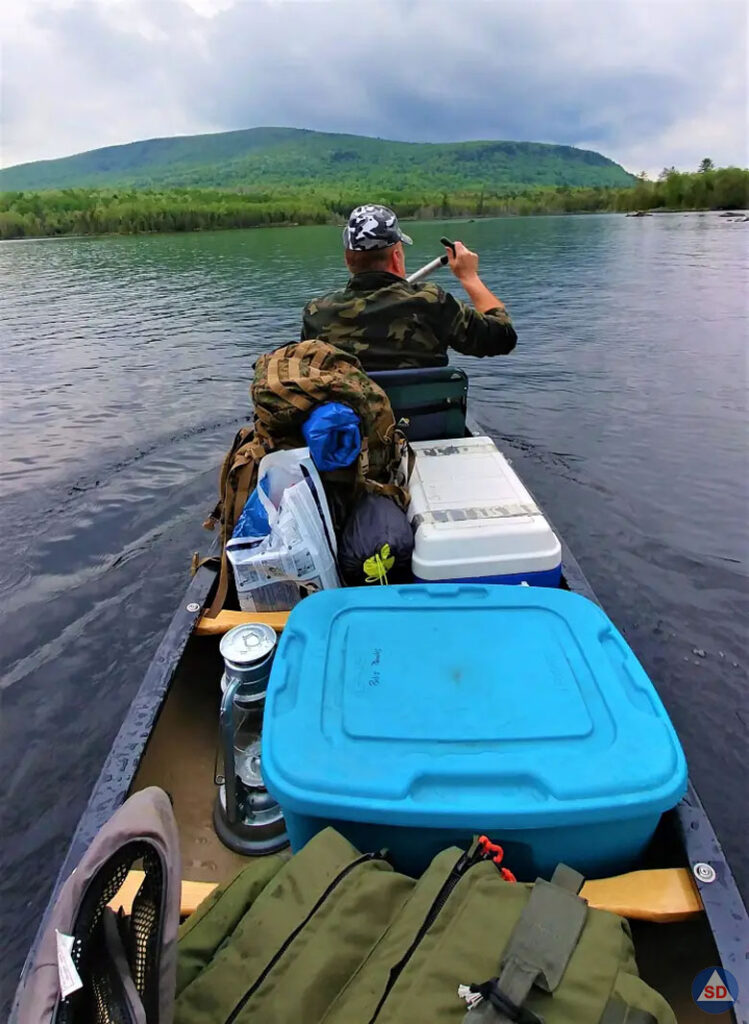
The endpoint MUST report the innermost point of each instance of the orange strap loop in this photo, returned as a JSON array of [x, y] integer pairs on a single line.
[[496, 853]]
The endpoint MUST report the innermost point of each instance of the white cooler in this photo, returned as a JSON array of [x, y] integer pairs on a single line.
[[474, 521]]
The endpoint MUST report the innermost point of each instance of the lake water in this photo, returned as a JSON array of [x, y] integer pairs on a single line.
[[124, 373]]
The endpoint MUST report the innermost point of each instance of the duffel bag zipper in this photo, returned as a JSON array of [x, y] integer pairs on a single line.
[[466, 861], [290, 938]]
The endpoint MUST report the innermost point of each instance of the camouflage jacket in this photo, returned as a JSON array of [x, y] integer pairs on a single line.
[[390, 324]]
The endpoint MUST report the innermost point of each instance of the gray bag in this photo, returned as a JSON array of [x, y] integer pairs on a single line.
[[93, 966]]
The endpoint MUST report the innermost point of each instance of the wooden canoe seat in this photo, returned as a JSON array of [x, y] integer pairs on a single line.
[[226, 620], [662, 895]]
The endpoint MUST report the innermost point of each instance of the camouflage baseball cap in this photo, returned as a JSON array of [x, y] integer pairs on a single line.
[[373, 227]]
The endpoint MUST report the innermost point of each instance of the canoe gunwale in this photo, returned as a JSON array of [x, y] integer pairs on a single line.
[[122, 762], [721, 899]]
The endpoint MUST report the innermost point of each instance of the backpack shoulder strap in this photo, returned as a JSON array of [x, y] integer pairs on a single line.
[[539, 949], [240, 439], [238, 477]]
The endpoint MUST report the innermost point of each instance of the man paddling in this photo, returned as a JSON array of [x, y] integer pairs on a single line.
[[390, 324]]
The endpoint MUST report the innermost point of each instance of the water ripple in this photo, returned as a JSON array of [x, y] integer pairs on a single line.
[[124, 375]]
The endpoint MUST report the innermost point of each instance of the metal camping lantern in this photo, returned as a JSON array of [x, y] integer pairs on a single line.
[[245, 816]]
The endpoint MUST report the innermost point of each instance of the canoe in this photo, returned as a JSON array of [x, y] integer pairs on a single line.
[[682, 901]]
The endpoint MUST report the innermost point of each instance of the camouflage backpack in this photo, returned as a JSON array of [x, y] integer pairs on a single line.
[[291, 381], [288, 384]]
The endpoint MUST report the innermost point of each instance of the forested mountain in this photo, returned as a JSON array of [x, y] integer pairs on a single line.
[[269, 158], [269, 176]]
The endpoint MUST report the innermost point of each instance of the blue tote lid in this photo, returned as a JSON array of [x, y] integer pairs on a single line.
[[443, 704]]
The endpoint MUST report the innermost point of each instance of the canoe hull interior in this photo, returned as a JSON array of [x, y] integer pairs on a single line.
[[169, 738]]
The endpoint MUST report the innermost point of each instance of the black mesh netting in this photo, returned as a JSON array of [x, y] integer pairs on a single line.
[[145, 935], [102, 999]]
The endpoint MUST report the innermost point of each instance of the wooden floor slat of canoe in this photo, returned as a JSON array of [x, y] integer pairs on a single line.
[[662, 895]]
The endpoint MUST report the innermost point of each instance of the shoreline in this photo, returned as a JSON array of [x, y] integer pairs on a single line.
[[457, 218], [94, 212]]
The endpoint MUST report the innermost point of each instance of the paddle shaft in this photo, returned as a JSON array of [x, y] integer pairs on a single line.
[[429, 268]]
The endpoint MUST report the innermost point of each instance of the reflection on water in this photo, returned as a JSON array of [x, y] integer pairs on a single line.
[[124, 373]]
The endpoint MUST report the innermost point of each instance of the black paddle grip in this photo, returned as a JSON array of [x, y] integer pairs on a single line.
[[447, 244]]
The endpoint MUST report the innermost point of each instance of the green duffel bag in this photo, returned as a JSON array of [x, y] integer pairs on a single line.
[[332, 935]]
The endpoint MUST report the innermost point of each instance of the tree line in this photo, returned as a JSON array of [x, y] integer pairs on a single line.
[[83, 211]]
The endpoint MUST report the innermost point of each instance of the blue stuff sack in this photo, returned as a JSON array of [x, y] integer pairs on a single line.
[[254, 519], [333, 435]]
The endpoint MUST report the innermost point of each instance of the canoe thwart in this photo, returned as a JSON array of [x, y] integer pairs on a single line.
[[662, 895], [226, 620], [193, 893]]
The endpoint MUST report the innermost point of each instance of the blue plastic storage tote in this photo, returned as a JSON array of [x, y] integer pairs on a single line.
[[414, 717]]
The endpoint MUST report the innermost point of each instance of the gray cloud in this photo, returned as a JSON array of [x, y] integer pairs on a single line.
[[648, 83]]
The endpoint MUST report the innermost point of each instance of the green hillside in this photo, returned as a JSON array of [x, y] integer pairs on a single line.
[[290, 158]]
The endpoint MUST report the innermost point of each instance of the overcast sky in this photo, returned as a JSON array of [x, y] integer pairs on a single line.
[[647, 83]]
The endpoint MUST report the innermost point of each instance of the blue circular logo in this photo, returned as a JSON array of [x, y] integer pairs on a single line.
[[715, 990]]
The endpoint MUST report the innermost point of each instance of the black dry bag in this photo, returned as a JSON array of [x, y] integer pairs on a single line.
[[376, 543]]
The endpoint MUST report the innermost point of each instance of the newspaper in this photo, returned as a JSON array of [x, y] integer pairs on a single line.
[[294, 558]]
